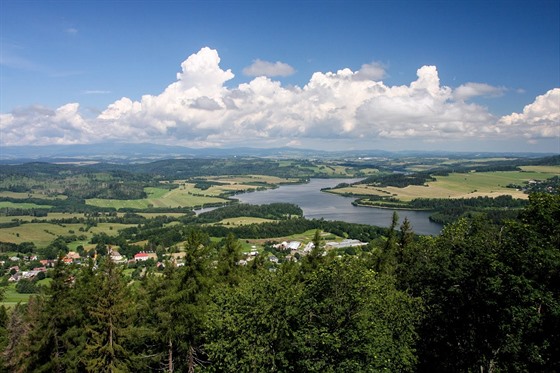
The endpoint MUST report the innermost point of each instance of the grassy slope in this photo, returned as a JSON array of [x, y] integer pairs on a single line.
[[158, 197], [44, 233], [459, 185]]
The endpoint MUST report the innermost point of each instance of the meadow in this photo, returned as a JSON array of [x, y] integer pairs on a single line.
[[160, 197], [460, 185], [23, 205], [242, 220], [188, 195], [25, 195], [42, 234]]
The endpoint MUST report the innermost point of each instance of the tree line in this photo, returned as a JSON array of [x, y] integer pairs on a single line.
[[479, 297]]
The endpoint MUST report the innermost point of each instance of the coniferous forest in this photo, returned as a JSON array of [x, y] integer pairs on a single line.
[[482, 296]]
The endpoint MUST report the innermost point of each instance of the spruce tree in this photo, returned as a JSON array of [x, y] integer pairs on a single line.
[[105, 352]]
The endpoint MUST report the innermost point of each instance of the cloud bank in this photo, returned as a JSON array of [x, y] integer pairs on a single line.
[[270, 69], [198, 109]]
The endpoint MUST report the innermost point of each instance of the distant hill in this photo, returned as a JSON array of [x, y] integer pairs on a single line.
[[145, 152]]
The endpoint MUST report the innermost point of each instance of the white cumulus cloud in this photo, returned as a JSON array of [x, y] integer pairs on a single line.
[[270, 69], [199, 110], [540, 119], [469, 90], [372, 71]]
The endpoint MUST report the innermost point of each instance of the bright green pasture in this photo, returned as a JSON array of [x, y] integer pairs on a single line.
[[243, 220], [43, 234], [158, 197], [39, 233], [12, 297], [13, 205]]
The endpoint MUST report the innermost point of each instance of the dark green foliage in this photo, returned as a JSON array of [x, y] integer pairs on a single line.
[[271, 211], [480, 297], [26, 286], [491, 292], [340, 317], [446, 211], [229, 255], [104, 351], [400, 180]]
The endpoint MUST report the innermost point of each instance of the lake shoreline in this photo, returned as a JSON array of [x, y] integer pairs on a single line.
[[330, 206]]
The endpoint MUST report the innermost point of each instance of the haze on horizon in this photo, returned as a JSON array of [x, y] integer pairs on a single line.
[[336, 79]]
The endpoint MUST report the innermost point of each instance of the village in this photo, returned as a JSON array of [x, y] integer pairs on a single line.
[[32, 268]]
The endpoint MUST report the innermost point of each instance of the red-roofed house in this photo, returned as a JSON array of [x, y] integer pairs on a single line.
[[143, 256]]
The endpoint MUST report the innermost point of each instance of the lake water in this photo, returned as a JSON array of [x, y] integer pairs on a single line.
[[316, 205]]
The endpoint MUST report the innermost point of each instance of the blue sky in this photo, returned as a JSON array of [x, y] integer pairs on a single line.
[[428, 75]]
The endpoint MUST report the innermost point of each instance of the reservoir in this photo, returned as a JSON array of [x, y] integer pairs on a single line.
[[316, 205]]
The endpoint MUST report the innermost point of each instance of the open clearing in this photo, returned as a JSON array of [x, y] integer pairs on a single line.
[[159, 197], [187, 195], [461, 185], [12, 205], [21, 195], [50, 216], [12, 297], [242, 220], [43, 234]]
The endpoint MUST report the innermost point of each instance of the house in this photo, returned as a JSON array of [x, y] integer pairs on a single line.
[[345, 243], [292, 245], [71, 257], [308, 247], [117, 257], [142, 256], [178, 256], [46, 262], [14, 269]]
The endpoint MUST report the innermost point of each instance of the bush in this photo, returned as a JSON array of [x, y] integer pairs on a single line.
[[25, 286]]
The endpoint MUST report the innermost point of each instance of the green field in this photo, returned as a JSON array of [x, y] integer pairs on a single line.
[[159, 197], [12, 297], [554, 170], [49, 217], [12, 205], [461, 185], [187, 195], [43, 234], [20, 195], [242, 220]]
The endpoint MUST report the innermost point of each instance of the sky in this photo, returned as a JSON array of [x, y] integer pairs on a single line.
[[332, 75]]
